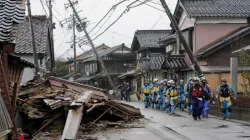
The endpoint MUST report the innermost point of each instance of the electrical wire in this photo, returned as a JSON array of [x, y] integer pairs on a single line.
[[104, 23], [126, 10], [65, 36], [157, 22], [44, 8], [112, 8]]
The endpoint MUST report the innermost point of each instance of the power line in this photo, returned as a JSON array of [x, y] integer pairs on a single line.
[[126, 10], [104, 23], [65, 36], [112, 8], [44, 8], [157, 22]]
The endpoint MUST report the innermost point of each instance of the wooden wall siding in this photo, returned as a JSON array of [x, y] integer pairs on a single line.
[[117, 66], [222, 56], [4, 86], [214, 80]]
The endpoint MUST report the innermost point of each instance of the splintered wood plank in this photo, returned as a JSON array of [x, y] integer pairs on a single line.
[[72, 124], [84, 98]]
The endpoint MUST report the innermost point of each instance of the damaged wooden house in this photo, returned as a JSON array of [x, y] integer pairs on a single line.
[[213, 30], [11, 66], [76, 104]]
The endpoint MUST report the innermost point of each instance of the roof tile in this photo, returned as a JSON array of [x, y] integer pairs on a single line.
[[217, 8], [41, 25]]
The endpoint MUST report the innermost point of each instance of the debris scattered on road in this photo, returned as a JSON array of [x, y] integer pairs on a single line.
[[45, 101]]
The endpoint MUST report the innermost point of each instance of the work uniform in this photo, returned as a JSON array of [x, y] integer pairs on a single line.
[[146, 90], [206, 99], [154, 94], [181, 97], [166, 101], [225, 92], [196, 94], [172, 93], [187, 87], [161, 98]]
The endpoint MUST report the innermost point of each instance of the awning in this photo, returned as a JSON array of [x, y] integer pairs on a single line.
[[175, 62], [85, 78], [129, 73], [152, 63]]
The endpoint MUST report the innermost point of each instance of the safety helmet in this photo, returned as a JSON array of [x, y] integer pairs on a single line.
[[165, 80], [172, 82], [169, 82], [181, 81], [162, 81], [155, 80], [196, 80], [203, 80], [223, 80], [190, 79]]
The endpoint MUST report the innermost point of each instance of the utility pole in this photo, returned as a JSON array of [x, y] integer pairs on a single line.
[[182, 39], [52, 58], [33, 38], [92, 45], [74, 42]]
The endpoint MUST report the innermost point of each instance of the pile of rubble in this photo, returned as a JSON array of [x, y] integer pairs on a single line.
[[43, 102]]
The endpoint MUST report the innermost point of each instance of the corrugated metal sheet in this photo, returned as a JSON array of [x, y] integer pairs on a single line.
[[5, 120]]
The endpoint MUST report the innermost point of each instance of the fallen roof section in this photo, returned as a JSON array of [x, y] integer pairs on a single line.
[[47, 99]]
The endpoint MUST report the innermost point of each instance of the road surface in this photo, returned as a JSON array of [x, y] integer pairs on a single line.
[[183, 127]]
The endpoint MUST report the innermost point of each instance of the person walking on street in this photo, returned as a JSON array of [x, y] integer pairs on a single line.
[[181, 95], [146, 90], [155, 90], [187, 86], [196, 94], [166, 101], [128, 92], [173, 94], [161, 98], [123, 91], [207, 97], [225, 93]]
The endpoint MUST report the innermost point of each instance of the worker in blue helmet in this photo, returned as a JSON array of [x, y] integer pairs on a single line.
[[181, 95], [225, 93], [146, 90]]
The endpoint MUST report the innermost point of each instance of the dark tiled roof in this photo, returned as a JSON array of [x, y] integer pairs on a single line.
[[217, 8], [41, 25], [155, 62], [17, 60], [90, 53], [148, 38], [175, 61], [168, 40], [239, 33], [12, 12], [106, 52]]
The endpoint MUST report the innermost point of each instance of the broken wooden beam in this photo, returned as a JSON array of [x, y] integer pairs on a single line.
[[100, 116], [46, 124], [72, 124]]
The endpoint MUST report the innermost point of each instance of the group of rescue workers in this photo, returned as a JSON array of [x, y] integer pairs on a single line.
[[195, 95]]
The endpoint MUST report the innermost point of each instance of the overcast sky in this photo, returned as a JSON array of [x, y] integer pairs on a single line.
[[142, 17]]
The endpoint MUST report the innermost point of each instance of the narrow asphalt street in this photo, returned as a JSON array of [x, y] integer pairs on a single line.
[[183, 127]]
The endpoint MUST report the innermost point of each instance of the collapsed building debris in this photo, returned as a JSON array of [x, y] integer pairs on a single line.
[[44, 102]]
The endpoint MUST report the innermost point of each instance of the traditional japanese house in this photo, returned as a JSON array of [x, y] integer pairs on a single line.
[[42, 42], [79, 61], [213, 30], [11, 66], [117, 60]]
